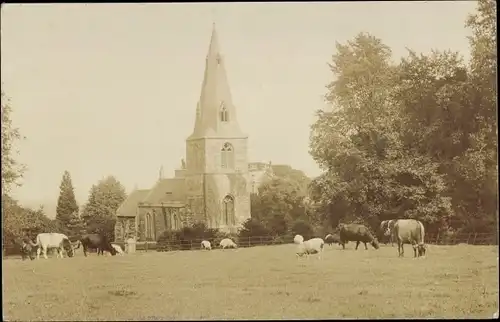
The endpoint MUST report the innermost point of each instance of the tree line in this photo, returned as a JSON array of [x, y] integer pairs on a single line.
[[97, 215], [414, 138], [411, 139]]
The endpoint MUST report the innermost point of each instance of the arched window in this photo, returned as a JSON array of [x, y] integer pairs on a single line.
[[228, 211], [147, 225], [227, 156], [224, 116], [175, 222]]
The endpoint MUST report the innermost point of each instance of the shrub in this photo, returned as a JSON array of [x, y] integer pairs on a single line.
[[186, 238], [253, 228], [302, 227]]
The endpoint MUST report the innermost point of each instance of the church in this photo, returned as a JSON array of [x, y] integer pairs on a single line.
[[213, 185]]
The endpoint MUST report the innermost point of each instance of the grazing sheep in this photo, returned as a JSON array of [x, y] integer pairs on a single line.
[[227, 243], [206, 245], [311, 246], [298, 239]]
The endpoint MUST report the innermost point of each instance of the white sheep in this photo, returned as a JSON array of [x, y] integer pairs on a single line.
[[298, 239], [311, 246], [206, 245], [227, 243]]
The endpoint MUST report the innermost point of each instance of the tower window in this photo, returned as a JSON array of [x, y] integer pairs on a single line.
[[228, 210], [224, 117], [227, 156]]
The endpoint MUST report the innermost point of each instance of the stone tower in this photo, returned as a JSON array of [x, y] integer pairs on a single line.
[[217, 185]]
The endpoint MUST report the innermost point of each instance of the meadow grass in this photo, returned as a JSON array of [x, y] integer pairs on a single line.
[[266, 282]]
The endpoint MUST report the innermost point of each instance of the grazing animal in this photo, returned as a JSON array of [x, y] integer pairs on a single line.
[[206, 245], [60, 242], [298, 239], [118, 249], [311, 246], [332, 239], [27, 249], [98, 241], [227, 243], [389, 227], [410, 231], [358, 233]]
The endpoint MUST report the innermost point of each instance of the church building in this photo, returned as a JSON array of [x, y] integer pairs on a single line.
[[213, 185]]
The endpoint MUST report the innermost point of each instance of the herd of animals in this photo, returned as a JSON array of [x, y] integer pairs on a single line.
[[403, 231]]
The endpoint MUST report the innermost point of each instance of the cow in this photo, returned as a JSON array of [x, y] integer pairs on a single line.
[[227, 243], [311, 246], [409, 231], [358, 233], [298, 239], [98, 241], [60, 242], [389, 227], [332, 239], [206, 245]]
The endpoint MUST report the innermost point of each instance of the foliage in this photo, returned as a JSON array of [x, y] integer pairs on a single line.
[[187, 237], [12, 170], [410, 140], [67, 208], [280, 200], [16, 219], [99, 213], [302, 227], [253, 228]]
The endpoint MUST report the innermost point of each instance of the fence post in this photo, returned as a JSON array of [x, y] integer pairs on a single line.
[[146, 246], [474, 242], [190, 244], [437, 238], [260, 243], [468, 238]]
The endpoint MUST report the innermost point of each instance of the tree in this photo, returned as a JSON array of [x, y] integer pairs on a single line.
[[12, 170], [253, 228], [369, 172], [104, 199], [279, 202], [67, 208], [302, 227]]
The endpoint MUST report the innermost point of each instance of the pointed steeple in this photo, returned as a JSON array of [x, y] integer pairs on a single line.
[[160, 174], [215, 111]]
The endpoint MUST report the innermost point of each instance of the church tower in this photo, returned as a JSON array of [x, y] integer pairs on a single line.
[[217, 185]]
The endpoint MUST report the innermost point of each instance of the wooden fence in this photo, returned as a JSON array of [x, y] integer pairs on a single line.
[[243, 242], [435, 239]]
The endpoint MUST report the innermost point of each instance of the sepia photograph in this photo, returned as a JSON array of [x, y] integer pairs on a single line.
[[249, 161]]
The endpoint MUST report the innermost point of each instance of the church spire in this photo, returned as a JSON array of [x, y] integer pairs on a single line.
[[215, 112]]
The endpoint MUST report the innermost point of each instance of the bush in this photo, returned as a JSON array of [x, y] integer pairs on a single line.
[[186, 238], [302, 227], [253, 228]]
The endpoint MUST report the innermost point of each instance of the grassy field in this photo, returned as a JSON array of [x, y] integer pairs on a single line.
[[255, 283]]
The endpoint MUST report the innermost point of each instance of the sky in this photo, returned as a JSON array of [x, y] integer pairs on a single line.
[[111, 89]]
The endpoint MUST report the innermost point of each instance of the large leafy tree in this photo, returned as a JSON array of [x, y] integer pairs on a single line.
[[104, 199], [369, 175], [67, 208], [12, 170]]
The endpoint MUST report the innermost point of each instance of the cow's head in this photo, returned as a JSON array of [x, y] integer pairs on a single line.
[[387, 231], [421, 249], [68, 246], [375, 244]]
